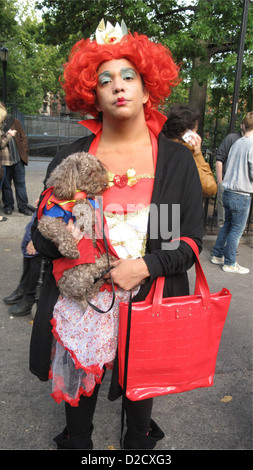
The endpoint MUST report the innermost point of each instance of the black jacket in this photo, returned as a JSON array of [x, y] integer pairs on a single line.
[[176, 182]]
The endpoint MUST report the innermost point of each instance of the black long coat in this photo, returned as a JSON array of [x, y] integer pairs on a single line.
[[176, 182]]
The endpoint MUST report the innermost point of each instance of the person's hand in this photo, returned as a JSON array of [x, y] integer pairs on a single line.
[[12, 132], [195, 142], [128, 273], [30, 248]]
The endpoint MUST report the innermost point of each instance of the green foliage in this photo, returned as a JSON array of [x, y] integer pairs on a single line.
[[203, 36], [33, 68], [8, 12]]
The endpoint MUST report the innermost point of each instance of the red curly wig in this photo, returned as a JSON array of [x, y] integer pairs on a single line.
[[153, 61]]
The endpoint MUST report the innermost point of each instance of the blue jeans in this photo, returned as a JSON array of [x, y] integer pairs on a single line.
[[237, 208], [16, 173], [3, 170]]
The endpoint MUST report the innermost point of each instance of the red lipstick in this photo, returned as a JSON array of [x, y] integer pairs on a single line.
[[121, 101]]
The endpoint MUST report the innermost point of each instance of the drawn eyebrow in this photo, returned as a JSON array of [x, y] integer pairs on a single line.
[[106, 73], [103, 76], [125, 72], [128, 70]]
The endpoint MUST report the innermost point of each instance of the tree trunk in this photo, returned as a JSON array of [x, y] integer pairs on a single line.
[[198, 94]]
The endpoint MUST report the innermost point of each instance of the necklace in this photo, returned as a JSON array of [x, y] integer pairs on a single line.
[[128, 179]]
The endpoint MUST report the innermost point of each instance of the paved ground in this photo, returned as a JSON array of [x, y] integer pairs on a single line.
[[216, 418]]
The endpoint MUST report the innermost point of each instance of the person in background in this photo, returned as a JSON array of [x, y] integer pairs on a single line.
[[220, 164], [237, 185], [5, 138], [180, 120], [23, 297], [15, 163]]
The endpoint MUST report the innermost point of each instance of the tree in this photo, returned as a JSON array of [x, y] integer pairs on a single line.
[[200, 33], [203, 36], [33, 67], [8, 12]]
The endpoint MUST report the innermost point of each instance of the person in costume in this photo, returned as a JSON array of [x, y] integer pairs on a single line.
[[120, 79]]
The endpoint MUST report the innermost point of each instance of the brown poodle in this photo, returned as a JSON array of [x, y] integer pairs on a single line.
[[79, 172]]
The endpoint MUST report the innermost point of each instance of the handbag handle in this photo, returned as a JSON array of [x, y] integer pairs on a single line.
[[201, 284]]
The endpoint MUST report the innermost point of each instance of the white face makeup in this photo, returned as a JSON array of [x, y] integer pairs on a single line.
[[120, 91], [126, 73]]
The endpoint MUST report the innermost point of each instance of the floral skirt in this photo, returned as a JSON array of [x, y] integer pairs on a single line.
[[84, 343]]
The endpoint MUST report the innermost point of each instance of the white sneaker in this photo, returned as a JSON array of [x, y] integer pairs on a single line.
[[235, 269], [216, 260]]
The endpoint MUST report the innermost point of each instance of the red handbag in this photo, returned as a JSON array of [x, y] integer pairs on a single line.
[[170, 345]]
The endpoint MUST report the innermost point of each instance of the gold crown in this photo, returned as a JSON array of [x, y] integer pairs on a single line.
[[109, 34]]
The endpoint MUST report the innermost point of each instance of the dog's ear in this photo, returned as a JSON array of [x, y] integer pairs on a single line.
[[64, 179]]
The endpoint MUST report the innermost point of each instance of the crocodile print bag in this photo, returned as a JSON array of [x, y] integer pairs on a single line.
[[170, 345]]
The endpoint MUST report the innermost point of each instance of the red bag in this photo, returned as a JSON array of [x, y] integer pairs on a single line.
[[170, 345]]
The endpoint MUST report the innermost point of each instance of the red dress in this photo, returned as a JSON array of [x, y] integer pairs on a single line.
[[86, 341]]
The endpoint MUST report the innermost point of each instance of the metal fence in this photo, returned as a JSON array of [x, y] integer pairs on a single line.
[[46, 134]]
